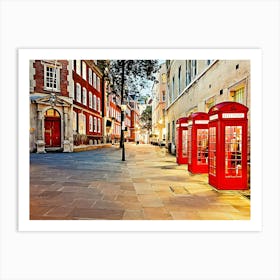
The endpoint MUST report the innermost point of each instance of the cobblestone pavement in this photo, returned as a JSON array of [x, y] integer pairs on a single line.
[[149, 185]]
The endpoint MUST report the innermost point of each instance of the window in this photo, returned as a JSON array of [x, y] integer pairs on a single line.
[[179, 80], [82, 123], [78, 92], [172, 90], [233, 151], [173, 132], [163, 78], [90, 123], [238, 95], [202, 146], [94, 80], [98, 125], [163, 96], [90, 100], [90, 76], [84, 70], [74, 121], [98, 104], [194, 68], [98, 84], [212, 151], [94, 102], [84, 96], [78, 67], [51, 78], [188, 72], [95, 125]]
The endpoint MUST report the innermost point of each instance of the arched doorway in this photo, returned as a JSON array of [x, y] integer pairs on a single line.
[[52, 128]]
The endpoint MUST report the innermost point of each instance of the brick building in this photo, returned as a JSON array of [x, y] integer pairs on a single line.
[[87, 102], [51, 105]]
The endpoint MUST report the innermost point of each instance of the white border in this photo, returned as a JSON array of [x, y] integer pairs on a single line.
[[254, 55]]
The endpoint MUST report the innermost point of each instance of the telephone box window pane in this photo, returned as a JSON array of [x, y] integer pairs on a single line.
[[212, 151], [190, 145], [233, 151], [202, 146], [184, 142]]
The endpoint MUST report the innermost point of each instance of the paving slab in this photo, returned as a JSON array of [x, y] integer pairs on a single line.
[[149, 185]]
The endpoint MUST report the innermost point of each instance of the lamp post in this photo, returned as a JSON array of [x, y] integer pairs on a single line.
[[123, 108]]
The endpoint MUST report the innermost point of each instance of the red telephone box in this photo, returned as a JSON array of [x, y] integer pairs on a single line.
[[198, 142], [181, 140], [228, 126]]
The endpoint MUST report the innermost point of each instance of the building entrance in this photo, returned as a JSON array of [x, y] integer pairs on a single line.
[[52, 129]]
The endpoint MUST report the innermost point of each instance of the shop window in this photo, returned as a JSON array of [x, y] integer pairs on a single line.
[[233, 153], [202, 146], [212, 151]]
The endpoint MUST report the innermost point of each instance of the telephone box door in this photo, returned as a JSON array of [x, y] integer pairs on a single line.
[[198, 143]]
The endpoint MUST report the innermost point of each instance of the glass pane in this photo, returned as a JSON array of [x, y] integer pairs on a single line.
[[190, 145], [212, 151], [184, 142], [202, 146], [233, 151]]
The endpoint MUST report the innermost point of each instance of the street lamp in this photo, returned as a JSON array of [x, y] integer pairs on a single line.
[[123, 109]]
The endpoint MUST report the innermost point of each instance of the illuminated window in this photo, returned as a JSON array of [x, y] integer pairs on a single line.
[[233, 151], [212, 151], [202, 146], [238, 95], [52, 113]]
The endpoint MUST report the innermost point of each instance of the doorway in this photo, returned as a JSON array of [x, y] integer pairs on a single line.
[[52, 128]]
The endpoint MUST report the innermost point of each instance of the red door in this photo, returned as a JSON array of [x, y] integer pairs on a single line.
[[52, 132]]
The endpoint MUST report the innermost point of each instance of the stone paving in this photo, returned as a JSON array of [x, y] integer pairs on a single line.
[[149, 185]]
